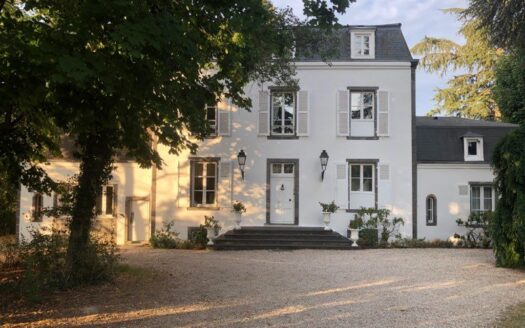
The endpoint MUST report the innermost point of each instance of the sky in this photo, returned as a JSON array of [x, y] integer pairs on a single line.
[[419, 18]]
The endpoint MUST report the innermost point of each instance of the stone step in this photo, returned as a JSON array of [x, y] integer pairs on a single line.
[[242, 246]]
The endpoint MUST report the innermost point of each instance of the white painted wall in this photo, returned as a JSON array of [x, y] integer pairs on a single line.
[[322, 83], [443, 181], [131, 179]]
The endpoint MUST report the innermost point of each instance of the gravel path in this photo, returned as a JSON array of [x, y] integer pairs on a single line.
[[307, 288]]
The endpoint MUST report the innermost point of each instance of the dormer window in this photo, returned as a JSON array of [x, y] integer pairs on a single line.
[[473, 148], [363, 44]]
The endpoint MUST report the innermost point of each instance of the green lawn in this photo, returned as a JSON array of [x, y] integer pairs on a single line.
[[514, 317]]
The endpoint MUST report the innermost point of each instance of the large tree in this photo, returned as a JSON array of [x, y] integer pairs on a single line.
[[114, 75], [469, 92]]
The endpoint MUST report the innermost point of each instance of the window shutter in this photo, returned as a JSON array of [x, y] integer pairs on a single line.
[[384, 171], [115, 200], [303, 113], [183, 184], [224, 118], [341, 197], [463, 190], [225, 178], [384, 184], [343, 113], [383, 124], [264, 113]]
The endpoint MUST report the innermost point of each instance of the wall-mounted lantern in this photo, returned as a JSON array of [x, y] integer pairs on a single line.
[[241, 158], [324, 162]]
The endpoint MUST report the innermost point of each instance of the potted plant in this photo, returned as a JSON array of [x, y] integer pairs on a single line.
[[212, 228], [354, 227], [238, 208], [328, 210]]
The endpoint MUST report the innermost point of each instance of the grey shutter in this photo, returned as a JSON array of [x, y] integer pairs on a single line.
[[303, 113], [383, 124], [263, 123], [384, 184], [343, 113], [384, 171], [224, 118], [183, 184], [115, 200], [225, 184], [463, 190], [341, 197]]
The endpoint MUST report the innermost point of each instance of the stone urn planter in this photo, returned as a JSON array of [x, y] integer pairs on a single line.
[[326, 219], [238, 208], [237, 216], [212, 229], [211, 235], [354, 236]]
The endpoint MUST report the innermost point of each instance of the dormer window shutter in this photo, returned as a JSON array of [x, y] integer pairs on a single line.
[[224, 118], [264, 113], [383, 113], [303, 113], [342, 113]]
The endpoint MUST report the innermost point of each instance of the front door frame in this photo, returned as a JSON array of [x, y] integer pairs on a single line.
[[129, 200], [269, 163]]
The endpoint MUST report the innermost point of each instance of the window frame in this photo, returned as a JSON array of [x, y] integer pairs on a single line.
[[213, 128], [271, 116], [479, 149], [482, 197], [360, 46], [204, 161], [431, 221], [101, 204], [361, 106], [362, 177]]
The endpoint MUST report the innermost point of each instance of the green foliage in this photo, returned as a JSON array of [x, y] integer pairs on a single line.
[[368, 237], [504, 20], [165, 237], [8, 201], [372, 218], [210, 222], [468, 94], [329, 207], [478, 232], [322, 13], [507, 227], [356, 223], [420, 243], [199, 237], [509, 90], [238, 207]]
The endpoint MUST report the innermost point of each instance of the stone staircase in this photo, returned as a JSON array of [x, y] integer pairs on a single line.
[[281, 237]]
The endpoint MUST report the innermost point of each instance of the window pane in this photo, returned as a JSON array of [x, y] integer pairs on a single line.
[[355, 184], [367, 171], [210, 198], [289, 109], [368, 98], [198, 184], [368, 113], [109, 200], [197, 197], [475, 201], [367, 184], [355, 171], [276, 168], [210, 169], [487, 198], [356, 113], [355, 99], [210, 184], [277, 112], [288, 168], [199, 168], [472, 148], [210, 113], [366, 45]]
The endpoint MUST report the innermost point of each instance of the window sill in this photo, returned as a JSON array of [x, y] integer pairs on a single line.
[[203, 208], [283, 137], [363, 138]]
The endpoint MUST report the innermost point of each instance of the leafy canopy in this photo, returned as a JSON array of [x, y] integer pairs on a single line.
[[468, 94]]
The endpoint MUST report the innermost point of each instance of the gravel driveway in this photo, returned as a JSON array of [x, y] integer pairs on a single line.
[[306, 288]]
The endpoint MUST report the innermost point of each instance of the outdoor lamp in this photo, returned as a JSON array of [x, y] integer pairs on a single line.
[[241, 158], [324, 162]]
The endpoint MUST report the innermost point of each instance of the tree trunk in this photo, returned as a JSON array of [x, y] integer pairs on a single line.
[[95, 169]]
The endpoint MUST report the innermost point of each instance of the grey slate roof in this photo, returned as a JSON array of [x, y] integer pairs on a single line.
[[439, 140], [390, 45]]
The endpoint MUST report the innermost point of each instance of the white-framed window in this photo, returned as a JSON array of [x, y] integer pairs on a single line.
[[105, 201], [282, 168], [362, 105], [481, 198], [37, 207], [363, 44], [431, 210], [211, 118], [204, 183], [283, 107], [473, 148], [362, 177]]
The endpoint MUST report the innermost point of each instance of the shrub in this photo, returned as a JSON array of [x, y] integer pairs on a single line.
[[356, 223], [420, 243], [368, 237], [329, 208], [198, 238], [165, 237], [379, 219], [477, 226]]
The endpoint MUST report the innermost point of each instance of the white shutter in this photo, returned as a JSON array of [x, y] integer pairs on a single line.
[[341, 185], [264, 113], [463, 190], [383, 124], [384, 185], [224, 118], [303, 113], [225, 183], [343, 113], [384, 171], [183, 184]]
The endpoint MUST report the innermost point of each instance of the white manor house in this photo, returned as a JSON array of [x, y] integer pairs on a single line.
[[357, 107]]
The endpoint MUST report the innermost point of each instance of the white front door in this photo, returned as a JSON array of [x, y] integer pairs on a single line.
[[138, 224], [282, 194]]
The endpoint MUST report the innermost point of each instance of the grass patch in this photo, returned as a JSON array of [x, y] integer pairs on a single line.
[[513, 317], [134, 271]]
